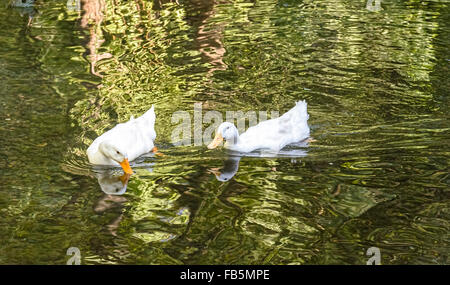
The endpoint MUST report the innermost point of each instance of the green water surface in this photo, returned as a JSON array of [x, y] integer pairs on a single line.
[[376, 80]]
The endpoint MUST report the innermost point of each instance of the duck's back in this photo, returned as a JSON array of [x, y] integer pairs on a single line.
[[135, 136], [275, 134]]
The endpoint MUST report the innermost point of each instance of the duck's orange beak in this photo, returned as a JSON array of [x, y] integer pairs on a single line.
[[124, 178], [126, 166], [217, 140]]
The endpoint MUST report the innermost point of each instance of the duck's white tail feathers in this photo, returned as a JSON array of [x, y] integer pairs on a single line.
[[150, 116], [301, 111], [297, 114], [299, 120], [295, 120]]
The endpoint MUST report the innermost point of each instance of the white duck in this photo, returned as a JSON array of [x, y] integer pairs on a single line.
[[272, 134], [125, 142]]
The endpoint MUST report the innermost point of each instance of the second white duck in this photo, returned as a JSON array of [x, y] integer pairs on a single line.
[[125, 142], [272, 134]]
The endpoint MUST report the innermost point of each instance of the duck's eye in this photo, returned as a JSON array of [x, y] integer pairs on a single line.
[[118, 152]]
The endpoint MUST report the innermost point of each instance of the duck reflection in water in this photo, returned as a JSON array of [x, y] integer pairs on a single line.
[[231, 164], [26, 9], [112, 182], [229, 169]]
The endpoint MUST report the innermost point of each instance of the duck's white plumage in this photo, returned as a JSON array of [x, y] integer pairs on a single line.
[[272, 134], [133, 138]]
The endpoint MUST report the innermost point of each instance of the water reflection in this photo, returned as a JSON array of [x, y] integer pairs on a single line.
[[114, 181], [208, 37], [229, 169], [92, 19], [111, 182], [25, 8], [22, 3]]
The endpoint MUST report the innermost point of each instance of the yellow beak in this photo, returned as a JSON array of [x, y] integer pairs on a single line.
[[217, 140], [124, 178], [126, 166]]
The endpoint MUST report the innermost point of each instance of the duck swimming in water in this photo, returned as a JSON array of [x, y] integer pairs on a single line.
[[125, 142], [272, 134]]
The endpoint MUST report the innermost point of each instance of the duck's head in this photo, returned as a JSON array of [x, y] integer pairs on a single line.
[[226, 131], [117, 154]]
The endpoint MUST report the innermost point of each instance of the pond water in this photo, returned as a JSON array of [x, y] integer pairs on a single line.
[[374, 74]]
